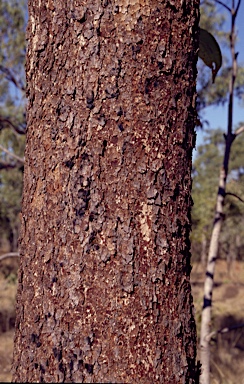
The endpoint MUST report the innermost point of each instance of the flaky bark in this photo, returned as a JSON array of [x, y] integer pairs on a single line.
[[104, 292]]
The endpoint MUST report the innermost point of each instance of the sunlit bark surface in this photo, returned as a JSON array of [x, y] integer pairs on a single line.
[[104, 292]]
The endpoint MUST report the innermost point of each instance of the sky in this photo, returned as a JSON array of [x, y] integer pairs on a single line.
[[217, 116]]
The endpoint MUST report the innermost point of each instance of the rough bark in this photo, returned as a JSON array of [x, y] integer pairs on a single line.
[[104, 292]]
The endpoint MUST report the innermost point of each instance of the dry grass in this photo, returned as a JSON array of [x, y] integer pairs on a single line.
[[227, 350], [8, 277], [228, 309], [6, 352]]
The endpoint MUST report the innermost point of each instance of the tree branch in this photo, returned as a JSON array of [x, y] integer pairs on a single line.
[[228, 329], [222, 330], [223, 4], [10, 76], [6, 165], [10, 254], [233, 194], [239, 130], [15, 127], [12, 154], [237, 8]]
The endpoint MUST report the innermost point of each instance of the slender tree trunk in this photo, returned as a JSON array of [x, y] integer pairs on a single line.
[[209, 281], [104, 292], [205, 335]]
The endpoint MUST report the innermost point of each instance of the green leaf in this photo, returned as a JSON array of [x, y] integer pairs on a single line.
[[209, 52]]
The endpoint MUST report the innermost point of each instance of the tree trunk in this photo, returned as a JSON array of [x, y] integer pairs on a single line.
[[205, 333], [204, 249], [104, 292]]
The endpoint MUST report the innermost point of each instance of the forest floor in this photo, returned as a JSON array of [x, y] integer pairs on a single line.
[[227, 350], [8, 288]]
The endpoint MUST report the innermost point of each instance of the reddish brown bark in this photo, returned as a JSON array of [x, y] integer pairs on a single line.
[[104, 292]]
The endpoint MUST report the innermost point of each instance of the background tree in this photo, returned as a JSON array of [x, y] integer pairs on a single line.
[[205, 181], [104, 291], [219, 210], [12, 115], [205, 184]]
